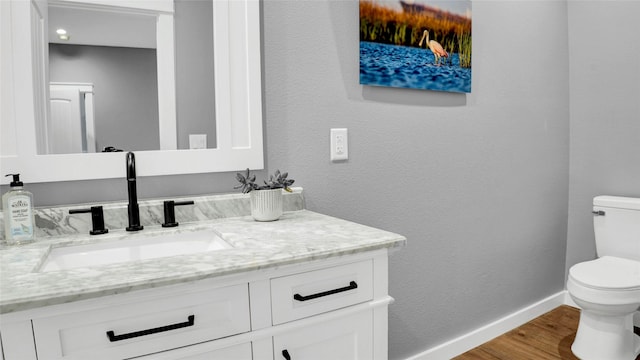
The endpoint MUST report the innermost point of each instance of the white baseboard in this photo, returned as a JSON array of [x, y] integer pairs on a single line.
[[481, 335]]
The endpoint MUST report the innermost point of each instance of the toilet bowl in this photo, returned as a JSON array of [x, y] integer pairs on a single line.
[[608, 292], [608, 289]]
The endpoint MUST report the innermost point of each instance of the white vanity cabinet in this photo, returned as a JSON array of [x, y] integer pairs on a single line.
[[324, 309]]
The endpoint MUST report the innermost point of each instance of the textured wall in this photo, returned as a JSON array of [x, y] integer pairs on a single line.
[[478, 183], [605, 112]]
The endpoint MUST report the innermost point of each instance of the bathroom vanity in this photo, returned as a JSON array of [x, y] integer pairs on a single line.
[[307, 286]]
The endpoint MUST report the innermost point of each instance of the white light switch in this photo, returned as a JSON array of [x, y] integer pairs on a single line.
[[197, 141], [339, 145]]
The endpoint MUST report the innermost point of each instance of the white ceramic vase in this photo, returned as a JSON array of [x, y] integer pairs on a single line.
[[266, 205]]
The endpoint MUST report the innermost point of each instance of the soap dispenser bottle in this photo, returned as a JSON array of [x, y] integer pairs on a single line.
[[17, 205]]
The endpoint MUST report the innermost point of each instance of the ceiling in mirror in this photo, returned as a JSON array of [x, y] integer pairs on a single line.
[[85, 26]]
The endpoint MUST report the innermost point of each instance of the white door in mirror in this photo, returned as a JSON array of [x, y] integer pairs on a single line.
[[71, 124]]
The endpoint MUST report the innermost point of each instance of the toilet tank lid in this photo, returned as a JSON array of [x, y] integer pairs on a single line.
[[617, 202]]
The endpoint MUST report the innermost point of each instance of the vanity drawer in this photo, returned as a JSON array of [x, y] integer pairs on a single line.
[[314, 292], [144, 327]]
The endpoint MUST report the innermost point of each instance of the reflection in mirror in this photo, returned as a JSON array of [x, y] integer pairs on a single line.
[[238, 95], [114, 53], [125, 93], [119, 63], [195, 96]]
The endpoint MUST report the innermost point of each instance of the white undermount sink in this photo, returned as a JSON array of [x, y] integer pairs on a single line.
[[139, 248]]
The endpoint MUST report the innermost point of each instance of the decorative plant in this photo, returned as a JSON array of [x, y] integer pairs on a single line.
[[276, 181]]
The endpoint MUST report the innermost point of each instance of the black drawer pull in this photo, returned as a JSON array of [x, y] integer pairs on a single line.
[[113, 337], [286, 355], [352, 285]]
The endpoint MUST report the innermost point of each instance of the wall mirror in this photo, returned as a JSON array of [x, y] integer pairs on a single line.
[[230, 120]]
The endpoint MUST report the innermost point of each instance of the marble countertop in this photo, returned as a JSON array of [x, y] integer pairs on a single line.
[[297, 237]]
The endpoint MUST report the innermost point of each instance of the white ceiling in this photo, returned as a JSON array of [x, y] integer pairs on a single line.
[[104, 28]]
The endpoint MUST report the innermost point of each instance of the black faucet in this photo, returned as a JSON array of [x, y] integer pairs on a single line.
[[134, 212]]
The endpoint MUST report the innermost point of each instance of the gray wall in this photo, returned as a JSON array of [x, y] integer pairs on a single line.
[[605, 112], [195, 95], [126, 91], [479, 183]]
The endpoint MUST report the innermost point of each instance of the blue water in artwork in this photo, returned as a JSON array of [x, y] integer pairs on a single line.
[[409, 67]]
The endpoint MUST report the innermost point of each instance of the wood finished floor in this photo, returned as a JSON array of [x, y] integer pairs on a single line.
[[548, 336]]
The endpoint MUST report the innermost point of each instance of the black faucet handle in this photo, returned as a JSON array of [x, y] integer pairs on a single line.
[[170, 212], [97, 219]]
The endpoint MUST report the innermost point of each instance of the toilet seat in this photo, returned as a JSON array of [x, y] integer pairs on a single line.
[[608, 273], [606, 281]]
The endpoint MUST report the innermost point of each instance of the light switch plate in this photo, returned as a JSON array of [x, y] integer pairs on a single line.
[[197, 141], [339, 144]]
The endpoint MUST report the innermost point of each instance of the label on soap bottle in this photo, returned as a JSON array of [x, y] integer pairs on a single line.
[[20, 217]]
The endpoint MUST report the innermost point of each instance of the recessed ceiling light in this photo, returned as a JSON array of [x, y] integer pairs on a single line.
[[64, 37], [61, 31]]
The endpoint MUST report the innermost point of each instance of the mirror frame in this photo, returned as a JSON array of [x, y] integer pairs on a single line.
[[238, 99]]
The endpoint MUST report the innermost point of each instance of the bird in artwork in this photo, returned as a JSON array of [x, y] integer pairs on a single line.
[[435, 47]]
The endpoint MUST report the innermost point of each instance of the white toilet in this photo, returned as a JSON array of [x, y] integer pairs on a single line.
[[608, 289]]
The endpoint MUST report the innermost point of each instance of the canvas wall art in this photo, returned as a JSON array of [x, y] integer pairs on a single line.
[[419, 44]]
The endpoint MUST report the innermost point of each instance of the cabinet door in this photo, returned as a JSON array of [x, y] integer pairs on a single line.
[[204, 352], [347, 338]]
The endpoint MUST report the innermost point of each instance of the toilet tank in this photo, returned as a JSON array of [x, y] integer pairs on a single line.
[[616, 223]]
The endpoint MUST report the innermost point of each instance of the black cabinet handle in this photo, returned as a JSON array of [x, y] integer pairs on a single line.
[[352, 285], [113, 337], [286, 355]]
